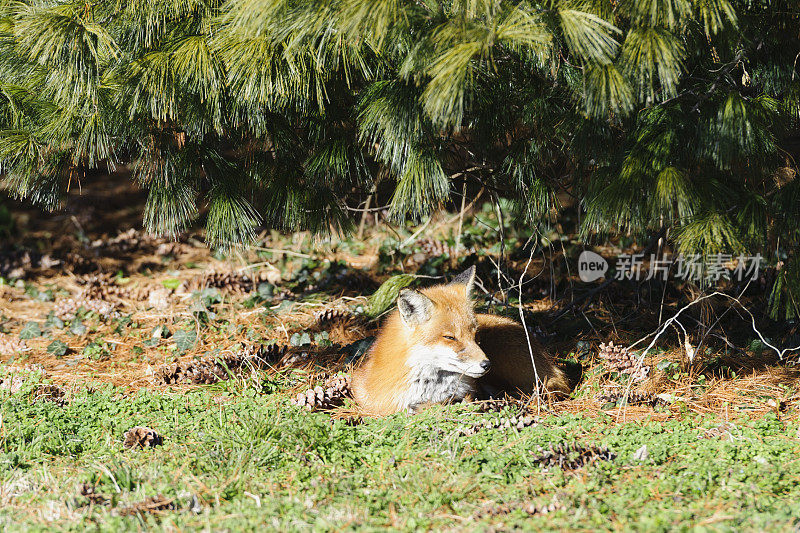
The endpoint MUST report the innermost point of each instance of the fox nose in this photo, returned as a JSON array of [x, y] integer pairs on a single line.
[[486, 365]]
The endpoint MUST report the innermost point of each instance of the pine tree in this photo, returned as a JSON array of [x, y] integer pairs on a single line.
[[676, 113]]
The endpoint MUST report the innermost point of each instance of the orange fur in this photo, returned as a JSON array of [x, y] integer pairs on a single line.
[[506, 345], [381, 383]]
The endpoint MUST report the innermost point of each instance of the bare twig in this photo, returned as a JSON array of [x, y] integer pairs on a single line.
[[649, 249], [416, 233], [471, 203], [527, 333], [281, 251], [500, 222], [711, 328], [674, 319], [460, 219], [252, 266], [724, 71], [365, 210], [364, 217]]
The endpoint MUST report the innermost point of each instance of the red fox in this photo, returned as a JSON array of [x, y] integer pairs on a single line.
[[434, 348]]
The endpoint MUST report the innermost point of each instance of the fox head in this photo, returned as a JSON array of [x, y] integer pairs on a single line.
[[440, 326]]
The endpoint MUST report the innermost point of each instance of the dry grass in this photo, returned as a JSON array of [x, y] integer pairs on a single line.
[[151, 265], [758, 388]]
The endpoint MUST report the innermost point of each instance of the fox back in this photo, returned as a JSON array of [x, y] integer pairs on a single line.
[[435, 349]]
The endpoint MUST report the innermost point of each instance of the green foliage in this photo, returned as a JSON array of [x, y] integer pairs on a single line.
[[387, 293], [31, 330], [184, 339], [240, 461], [57, 348], [300, 339], [283, 113]]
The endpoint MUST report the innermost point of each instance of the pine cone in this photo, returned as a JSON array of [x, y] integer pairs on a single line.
[[67, 309], [49, 393], [78, 263], [722, 431], [158, 299], [10, 345], [138, 292], [338, 385], [100, 307], [620, 359], [102, 287], [153, 504], [495, 405], [494, 509], [613, 355], [226, 281], [332, 316], [434, 247], [168, 248], [15, 264], [185, 374], [264, 355], [141, 437], [218, 368], [130, 240], [640, 374], [572, 456], [328, 397], [200, 372], [297, 358], [503, 423], [89, 492], [633, 398], [352, 419]]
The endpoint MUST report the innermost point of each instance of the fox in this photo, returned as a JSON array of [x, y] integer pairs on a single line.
[[433, 348]]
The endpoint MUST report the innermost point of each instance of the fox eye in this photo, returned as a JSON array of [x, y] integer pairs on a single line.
[[449, 337]]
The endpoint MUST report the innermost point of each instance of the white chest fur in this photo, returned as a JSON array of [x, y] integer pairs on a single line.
[[436, 375]]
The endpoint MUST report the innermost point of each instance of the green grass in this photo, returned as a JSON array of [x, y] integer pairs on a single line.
[[239, 459]]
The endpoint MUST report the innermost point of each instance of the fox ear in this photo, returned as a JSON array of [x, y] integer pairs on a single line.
[[415, 308], [466, 278]]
